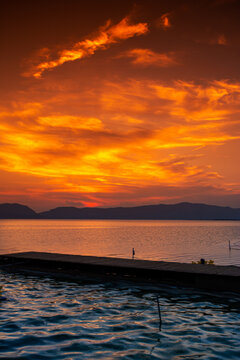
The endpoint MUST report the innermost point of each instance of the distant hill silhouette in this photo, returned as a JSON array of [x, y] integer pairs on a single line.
[[181, 211], [16, 211]]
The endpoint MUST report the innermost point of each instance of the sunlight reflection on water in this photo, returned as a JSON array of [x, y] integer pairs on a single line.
[[182, 241]]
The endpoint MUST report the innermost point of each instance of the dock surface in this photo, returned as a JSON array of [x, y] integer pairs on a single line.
[[212, 277]]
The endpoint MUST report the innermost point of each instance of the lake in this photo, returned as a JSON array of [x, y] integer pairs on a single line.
[[45, 318], [168, 240]]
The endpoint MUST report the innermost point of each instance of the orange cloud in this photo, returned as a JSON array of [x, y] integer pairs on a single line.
[[148, 57], [138, 134], [164, 21], [70, 122], [222, 40], [213, 39], [107, 35]]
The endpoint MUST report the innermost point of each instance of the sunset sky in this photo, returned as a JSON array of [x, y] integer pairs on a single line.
[[119, 103]]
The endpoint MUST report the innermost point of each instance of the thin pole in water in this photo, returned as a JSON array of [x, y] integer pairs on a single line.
[[229, 245], [159, 314]]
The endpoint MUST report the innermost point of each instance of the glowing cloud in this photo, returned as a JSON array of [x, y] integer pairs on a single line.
[[140, 136], [147, 57], [70, 122], [107, 35], [132, 112], [164, 21]]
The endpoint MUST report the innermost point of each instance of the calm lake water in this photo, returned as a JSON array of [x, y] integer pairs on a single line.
[[46, 318], [182, 241]]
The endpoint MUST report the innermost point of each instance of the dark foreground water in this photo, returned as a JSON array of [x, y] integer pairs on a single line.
[[45, 318]]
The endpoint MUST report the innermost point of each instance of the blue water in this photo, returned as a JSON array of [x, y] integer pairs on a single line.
[[45, 318]]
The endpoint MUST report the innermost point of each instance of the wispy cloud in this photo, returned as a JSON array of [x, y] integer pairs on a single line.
[[147, 57], [164, 21], [70, 122], [106, 35], [213, 39], [222, 40], [140, 136]]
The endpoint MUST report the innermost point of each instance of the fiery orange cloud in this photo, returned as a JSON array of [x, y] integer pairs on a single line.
[[164, 21], [107, 35], [70, 122], [148, 57], [126, 113], [132, 138]]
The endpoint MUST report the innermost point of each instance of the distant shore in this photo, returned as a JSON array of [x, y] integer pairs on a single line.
[[181, 211]]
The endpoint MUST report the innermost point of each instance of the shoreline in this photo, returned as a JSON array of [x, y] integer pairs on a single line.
[[73, 267]]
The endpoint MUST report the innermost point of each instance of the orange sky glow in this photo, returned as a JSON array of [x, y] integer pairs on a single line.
[[136, 103]]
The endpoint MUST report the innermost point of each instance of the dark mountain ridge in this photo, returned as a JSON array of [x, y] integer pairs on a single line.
[[180, 211], [16, 211]]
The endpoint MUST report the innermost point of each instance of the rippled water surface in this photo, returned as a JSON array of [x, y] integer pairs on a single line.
[[45, 318], [182, 241]]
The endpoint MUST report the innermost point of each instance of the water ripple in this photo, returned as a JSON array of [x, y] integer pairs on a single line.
[[49, 319]]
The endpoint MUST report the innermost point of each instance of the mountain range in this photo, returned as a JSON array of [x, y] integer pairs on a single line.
[[181, 211]]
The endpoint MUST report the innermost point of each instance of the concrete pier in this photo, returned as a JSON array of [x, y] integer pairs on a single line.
[[212, 277]]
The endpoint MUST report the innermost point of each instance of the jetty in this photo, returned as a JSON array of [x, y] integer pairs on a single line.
[[211, 277]]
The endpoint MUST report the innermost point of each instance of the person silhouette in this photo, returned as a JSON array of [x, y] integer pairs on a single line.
[[133, 253]]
